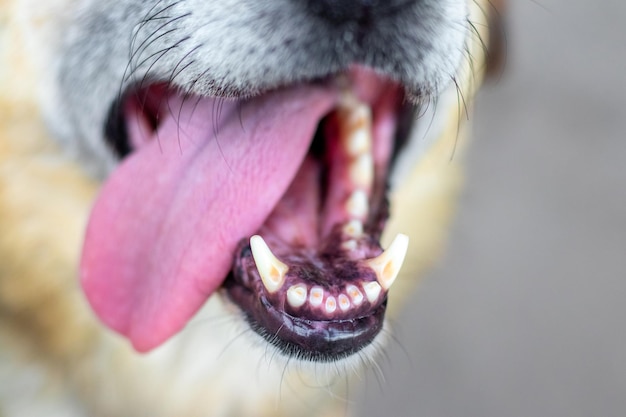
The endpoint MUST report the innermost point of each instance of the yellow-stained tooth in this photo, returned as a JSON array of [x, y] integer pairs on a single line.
[[357, 205], [296, 295], [358, 142], [272, 270], [361, 171], [354, 228], [355, 294], [331, 304], [344, 302], [387, 265], [372, 291], [316, 296], [356, 125]]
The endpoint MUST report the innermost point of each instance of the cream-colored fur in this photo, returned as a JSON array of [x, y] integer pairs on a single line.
[[56, 359]]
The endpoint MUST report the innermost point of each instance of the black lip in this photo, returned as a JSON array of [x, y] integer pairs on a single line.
[[115, 132]]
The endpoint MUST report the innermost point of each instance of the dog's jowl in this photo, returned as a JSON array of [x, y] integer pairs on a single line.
[[208, 208]]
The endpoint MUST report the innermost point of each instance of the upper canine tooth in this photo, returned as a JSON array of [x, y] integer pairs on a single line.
[[271, 270], [388, 264]]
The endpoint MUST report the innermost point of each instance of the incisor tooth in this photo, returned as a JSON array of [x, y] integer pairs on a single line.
[[355, 294], [357, 204], [361, 171], [316, 296], [388, 264], [331, 304], [344, 302], [296, 295], [271, 270], [372, 291]]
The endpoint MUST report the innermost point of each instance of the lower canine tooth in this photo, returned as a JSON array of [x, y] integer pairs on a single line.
[[387, 265], [271, 270], [372, 291], [296, 295], [357, 204]]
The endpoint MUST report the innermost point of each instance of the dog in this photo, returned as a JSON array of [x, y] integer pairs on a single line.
[[193, 195]]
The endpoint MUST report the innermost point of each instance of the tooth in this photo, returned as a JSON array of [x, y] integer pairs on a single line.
[[361, 171], [388, 264], [349, 245], [344, 302], [316, 296], [296, 295], [355, 294], [358, 142], [356, 123], [355, 114], [357, 204], [372, 291], [331, 304], [354, 228], [272, 270]]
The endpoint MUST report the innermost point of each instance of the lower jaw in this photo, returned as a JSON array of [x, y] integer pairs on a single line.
[[304, 339]]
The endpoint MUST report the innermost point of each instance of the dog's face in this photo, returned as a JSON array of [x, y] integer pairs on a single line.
[[248, 146]]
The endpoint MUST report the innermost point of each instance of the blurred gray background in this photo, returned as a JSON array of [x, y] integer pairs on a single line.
[[525, 315]]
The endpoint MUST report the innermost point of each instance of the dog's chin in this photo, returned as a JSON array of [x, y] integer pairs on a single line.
[[279, 199]]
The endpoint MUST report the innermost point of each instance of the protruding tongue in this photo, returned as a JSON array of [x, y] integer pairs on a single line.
[[163, 231]]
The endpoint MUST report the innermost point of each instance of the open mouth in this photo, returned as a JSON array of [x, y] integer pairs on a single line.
[[279, 199]]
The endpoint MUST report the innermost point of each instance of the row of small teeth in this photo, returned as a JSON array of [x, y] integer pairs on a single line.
[[298, 295], [273, 272], [355, 121]]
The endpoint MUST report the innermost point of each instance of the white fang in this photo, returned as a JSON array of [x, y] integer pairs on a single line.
[[271, 270], [387, 265]]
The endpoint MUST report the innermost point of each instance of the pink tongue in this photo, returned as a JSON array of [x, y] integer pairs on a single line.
[[163, 231]]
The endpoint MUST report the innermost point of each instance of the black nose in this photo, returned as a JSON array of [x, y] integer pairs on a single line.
[[359, 11]]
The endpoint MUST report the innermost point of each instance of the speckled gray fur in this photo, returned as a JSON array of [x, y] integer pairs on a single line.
[[234, 48]]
